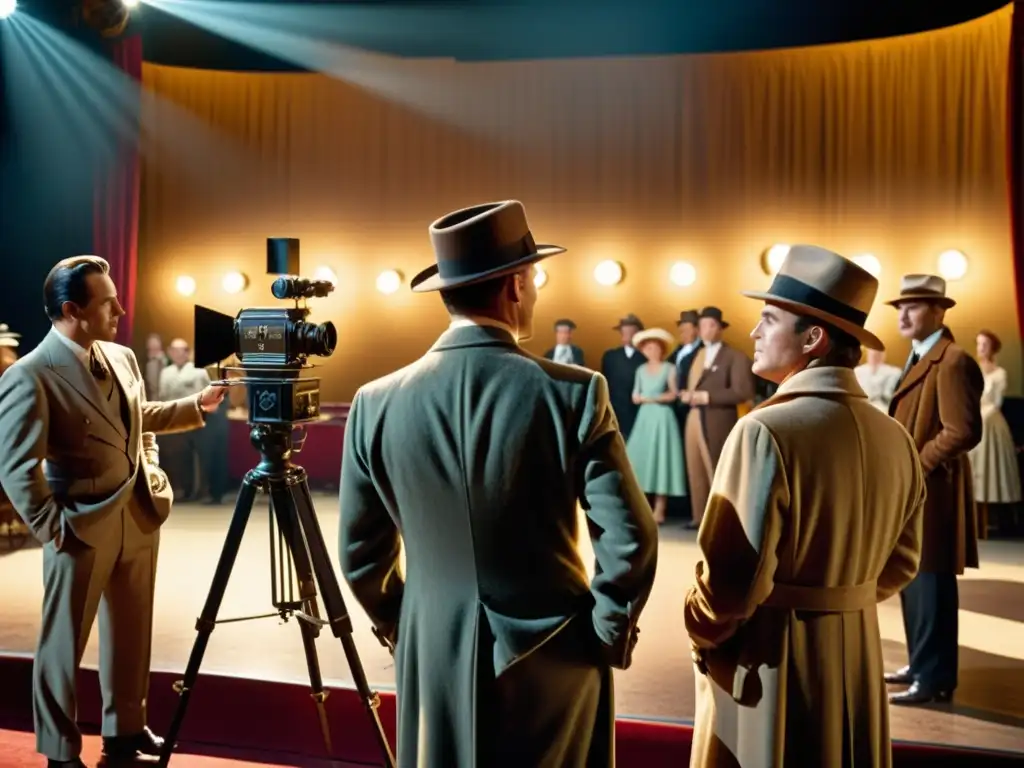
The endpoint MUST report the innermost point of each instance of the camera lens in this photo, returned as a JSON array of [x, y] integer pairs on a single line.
[[315, 340]]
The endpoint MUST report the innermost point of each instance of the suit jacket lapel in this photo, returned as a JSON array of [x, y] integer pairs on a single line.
[[68, 367], [124, 380], [918, 372]]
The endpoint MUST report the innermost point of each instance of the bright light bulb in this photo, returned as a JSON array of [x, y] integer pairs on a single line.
[[608, 273], [129, 4], [775, 256], [682, 274], [234, 282], [540, 277], [952, 265], [7, 7], [869, 263], [185, 285], [326, 273], [389, 281]]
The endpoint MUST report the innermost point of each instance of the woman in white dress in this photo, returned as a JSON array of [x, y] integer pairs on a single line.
[[994, 459]]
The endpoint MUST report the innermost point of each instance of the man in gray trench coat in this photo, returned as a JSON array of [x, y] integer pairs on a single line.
[[475, 457]]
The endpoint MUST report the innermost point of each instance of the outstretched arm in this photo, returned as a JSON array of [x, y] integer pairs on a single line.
[[622, 528], [369, 540]]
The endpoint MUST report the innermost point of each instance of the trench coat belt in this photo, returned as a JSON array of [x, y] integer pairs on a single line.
[[794, 597]]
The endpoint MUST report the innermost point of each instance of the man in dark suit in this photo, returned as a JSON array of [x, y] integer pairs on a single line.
[[938, 400], [564, 350], [475, 457], [619, 367]]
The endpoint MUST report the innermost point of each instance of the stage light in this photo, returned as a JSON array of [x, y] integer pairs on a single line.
[[772, 258], [389, 281], [185, 285], [682, 274], [540, 277], [869, 263], [608, 272], [326, 273], [7, 7], [235, 282], [131, 4], [108, 17], [952, 265]]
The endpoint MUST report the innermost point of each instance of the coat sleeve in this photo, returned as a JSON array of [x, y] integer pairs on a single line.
[[160, 418], [24, 431], [621, 525], [738, 536], [369, 540], [960, 386], [905, 560], [741, 382]]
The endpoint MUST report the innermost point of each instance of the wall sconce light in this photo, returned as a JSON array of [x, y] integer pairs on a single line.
[[609, 273], [772, 258], [682, 274], [326, 273], [235, 282], [869, 263], [540, 277], [952, 265], [185, 285], [389, 281]]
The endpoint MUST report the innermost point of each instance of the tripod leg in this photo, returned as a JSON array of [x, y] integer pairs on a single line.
[[208, 618], [287, 523], [297, 496]]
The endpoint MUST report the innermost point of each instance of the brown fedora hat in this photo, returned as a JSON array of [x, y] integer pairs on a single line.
[[816, 282], [477, 243], [923, 288]]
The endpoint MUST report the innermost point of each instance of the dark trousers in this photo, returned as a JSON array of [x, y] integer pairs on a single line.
[[930, 617]]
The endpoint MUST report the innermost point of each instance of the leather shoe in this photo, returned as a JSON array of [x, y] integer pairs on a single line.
[[134, 748], [901, 676], [918, 694], [74, 763]]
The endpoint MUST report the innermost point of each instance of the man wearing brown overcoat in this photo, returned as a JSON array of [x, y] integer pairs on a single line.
[[718, 382], [814, 517], [938, 400]]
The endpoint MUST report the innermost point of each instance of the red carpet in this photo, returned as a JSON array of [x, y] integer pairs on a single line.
[[275, 723]]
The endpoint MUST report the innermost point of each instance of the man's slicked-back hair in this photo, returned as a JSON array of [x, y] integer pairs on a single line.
[[67, 281]]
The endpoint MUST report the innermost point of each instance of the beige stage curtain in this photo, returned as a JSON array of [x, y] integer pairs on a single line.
[[892, 147]]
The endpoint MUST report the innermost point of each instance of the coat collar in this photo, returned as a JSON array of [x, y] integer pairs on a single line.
[[824, 381], [934, 355], [462, 336], [63, 362]]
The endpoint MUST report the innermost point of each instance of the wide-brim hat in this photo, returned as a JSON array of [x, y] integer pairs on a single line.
[[818, 283], [667, 340], [923, 288], [688, 316], [479, 243], [713, 313], [629, 319], [8, 338]]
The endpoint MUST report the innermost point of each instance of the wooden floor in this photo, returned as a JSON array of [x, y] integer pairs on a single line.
[[988, 712]]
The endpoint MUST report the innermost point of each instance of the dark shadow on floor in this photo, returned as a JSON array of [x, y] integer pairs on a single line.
[[1001, 599]]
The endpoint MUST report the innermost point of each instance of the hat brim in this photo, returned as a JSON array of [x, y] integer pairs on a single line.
[[861, 334], [943, 301], [430, 279], [642, 337]]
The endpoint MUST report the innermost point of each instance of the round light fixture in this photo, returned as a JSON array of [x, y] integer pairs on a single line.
[[185, 285], [952, 264], [7, 7], [608, 272], [682, 274], [326, 273], [389, 281], [234, 282], [540, 277], [869, 263], [772, 258]]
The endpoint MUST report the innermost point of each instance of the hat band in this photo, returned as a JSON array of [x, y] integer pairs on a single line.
[[799, 292], [477, 258]]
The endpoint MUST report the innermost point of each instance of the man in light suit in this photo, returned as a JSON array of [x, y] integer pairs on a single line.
[[79, 462], [476, 456]]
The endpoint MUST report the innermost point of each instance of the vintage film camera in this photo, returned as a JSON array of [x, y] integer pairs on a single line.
[[272, 344]]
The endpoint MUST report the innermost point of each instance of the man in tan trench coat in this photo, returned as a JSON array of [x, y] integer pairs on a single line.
[[938, 400], [814, 517]]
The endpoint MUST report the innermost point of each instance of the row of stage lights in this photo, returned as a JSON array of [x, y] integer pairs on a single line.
[[951, 265]]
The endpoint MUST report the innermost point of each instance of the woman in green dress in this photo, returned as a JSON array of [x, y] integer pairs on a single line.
[[655, 447]]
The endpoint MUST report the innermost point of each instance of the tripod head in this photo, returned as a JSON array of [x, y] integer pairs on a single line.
[[274, 443]]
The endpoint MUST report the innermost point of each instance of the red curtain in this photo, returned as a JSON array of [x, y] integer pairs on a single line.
[[1015, 152], [116, 199]]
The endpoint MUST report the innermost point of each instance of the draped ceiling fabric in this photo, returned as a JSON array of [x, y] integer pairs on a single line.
[[894, 147]]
